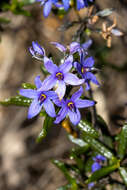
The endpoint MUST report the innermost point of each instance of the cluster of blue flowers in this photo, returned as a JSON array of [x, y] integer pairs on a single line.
[[97, 164], [47, 5], [53, 89]]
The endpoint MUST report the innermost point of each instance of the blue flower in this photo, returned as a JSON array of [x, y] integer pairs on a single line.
[[60, 76], [82, 3], [84, 68], [41, 98], [97, 162], [37, 51], [98, 159], [70, 107], [74, 47], [91, 185], [47, 5]]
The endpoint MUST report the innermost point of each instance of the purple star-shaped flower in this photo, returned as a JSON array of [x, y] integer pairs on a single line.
[[96, 166], [97, 162], [80, 4], [41, 98], [37, 51], [47, 5], [60, 76], [91, 185], [74, 47], [84, 68], [70, 107]]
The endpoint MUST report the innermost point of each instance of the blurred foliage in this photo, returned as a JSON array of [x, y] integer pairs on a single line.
[[17, 7]]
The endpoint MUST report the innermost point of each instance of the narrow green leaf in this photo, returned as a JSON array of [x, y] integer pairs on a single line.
[[103, 172], [105, 12], [47, 124], [123, 173], [28, 2], [79, 161], [103, 125], [17, 101], [77, 141], [99, 147], [43, 69], [88, 164], [65, 187], [65, 171], [80, 150], [28, 86], [4, 20], [87, 128], [122, 142], [107, 140]]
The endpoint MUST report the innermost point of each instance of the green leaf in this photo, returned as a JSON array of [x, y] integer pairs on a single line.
[[79, 161], [103, 125], [65, 187], [88, 164], [43, 69], [122, 142], [123, 173], [77, 141], [28, 86], [47, 124], [99, 147], [103, 172], [105, 12], [17, 101], [87, 128], [65, 171], [107, 140], [4, 20], [27, 2]]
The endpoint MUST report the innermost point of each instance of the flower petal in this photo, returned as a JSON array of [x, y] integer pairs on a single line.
[[47, 8], [100, 157], [51, 94], [42, 1], [84, 103], [37, 48], [59, 102], [77, 94], [95, 166], [80, 4], [67, 65], [90, 185], [31, 51], [38, 82], [88, 62], [48, 83], [74, 116], [50, 66], [87, 44], [61, 89], [91, 77], [34, 109], [61, 115], [59, 46], [78, 66], [58, 5], [49, 108], [29, 93], [66, 4], [87, 85], [72, 79], [74, 46]]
